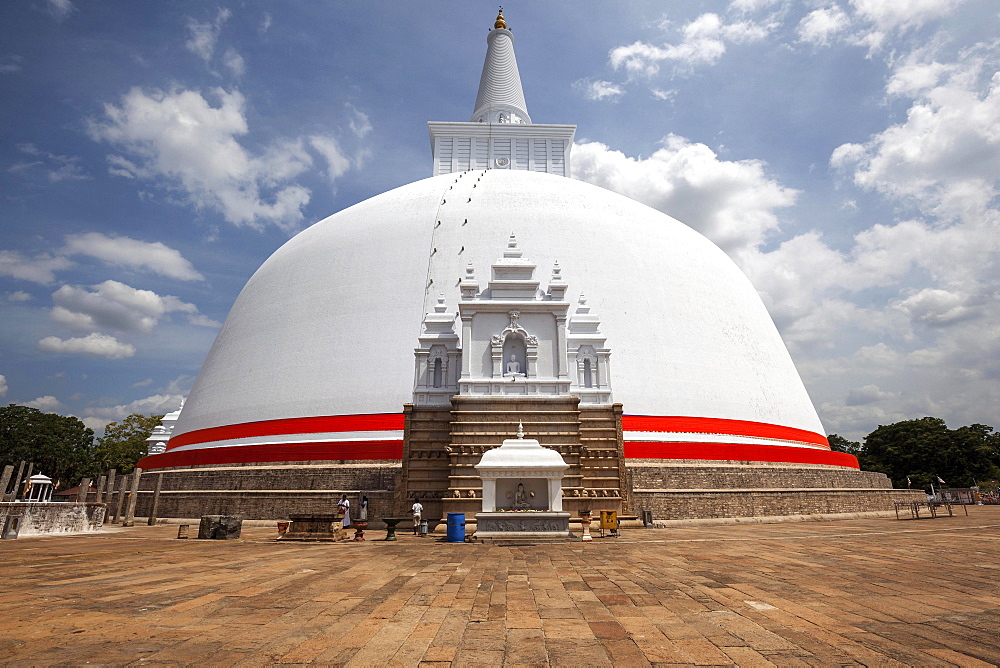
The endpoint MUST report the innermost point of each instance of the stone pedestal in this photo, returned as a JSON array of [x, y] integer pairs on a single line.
[[535, 526], [220, 527], [312, 527]]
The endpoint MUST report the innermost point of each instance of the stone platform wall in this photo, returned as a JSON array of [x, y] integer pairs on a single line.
[[269, 491], [670, 489], [704, 490]]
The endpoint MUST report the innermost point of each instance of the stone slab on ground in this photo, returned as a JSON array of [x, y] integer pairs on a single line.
[[872, 591]]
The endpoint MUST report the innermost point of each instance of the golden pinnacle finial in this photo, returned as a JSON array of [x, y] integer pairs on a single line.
[[501, 23]]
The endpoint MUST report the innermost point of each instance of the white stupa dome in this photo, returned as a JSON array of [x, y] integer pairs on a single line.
[[316, 356]]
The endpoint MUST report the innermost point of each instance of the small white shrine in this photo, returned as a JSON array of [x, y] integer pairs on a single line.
[[522, 492], [39, 489]]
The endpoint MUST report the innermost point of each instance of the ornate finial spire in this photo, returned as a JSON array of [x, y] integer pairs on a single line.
[[500, 98], [512, 249], [440, 307], [520, 430]]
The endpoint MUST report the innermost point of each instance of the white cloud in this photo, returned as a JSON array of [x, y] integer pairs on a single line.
[[946, 156], [888, 15], [917, 73], [868, 394], [40, 269], [143, 383], [156, 257], [599, 90], [358, 121], [703, 42], [234, 62], [97, 425], [180, 136], [820, 25], [60, 9], [748, 6], [152, 405], [57, 167], [875, 21], [113, 305], [47, 404], [99, 345], [11, 63], [203, 36], [732, 203], [336, 162], [19, 296], [200, 320], [3, 385], [935, 307]]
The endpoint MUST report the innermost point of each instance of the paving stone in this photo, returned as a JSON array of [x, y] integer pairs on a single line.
[[858, 592]]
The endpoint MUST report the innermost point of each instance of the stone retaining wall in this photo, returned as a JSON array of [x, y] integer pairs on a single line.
[[658, 474], [269, 491], [703, 490], [670, 489], [56, 517]]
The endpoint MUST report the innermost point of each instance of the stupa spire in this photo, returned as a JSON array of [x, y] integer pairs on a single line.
[[500, 98], [498, 136]]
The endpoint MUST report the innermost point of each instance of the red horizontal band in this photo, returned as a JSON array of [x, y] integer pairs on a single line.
[[290, 452], [742, 452], [304, 425], [702, 425]]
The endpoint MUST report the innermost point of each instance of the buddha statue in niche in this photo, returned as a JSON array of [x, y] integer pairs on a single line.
[[513, 366]]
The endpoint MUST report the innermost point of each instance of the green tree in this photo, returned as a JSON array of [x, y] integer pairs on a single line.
[[124, 443], [60, 446], [974, 454], [925, 450], [840, 444], [908, 448]]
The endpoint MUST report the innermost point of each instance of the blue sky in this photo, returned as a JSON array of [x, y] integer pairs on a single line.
[[846, 153]]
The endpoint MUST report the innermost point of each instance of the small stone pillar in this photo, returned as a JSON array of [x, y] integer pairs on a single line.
[[83, 490], [585, 520], [111, 492], [8, 471], [16, 492], [122, 481], [132, 498], [27, 480], [153, 507], [101, 481]]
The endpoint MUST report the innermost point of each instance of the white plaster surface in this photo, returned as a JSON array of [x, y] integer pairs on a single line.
[[329, 323]]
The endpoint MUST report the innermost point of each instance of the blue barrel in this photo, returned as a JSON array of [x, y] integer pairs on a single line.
[[456, 527]]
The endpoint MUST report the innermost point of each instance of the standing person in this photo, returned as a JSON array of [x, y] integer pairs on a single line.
[[363, 511], [418, 511], [345, 509]]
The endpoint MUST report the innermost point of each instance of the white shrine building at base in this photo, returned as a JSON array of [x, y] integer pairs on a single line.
[[383, 350]]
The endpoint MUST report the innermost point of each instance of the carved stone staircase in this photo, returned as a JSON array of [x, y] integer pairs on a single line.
[[442, 447]]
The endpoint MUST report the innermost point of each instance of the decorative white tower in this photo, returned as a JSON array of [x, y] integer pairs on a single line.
[[501, 134]]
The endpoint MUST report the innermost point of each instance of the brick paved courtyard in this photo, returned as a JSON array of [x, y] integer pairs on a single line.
[[859, 592]]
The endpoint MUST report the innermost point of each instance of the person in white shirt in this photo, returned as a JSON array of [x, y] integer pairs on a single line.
[[417, 510], [344, 507]]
